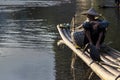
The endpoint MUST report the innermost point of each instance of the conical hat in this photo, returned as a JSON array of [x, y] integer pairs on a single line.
[[91, 11]]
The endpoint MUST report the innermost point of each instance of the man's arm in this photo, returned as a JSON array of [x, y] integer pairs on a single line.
[[99, 40], [87, 33]]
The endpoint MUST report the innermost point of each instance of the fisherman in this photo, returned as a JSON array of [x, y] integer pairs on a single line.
[[95, 28]]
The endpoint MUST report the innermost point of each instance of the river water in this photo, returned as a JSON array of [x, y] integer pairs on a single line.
[[25, 45], [28, 38]]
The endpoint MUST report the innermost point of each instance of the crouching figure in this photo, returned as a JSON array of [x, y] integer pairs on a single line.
[[94, 31]]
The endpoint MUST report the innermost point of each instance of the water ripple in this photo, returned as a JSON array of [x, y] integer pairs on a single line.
[[32, 3], [32, 34]]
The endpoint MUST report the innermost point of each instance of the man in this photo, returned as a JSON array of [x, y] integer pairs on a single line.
[[94, 28]]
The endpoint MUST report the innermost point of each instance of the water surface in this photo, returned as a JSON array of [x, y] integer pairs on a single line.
[[27, 35]]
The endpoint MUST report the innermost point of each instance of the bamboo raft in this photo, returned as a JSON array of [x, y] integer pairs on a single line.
[[107, 69]]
